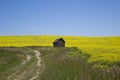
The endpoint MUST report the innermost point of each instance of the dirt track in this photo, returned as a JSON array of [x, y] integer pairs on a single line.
[[30, 73], [37, 54]]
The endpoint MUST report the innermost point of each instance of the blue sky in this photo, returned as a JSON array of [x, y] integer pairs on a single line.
[[60, 17]]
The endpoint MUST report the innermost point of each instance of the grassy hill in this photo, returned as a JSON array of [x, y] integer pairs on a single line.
[[61, 64], [85, 58]]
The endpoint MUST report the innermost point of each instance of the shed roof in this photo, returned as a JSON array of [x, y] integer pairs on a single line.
[[59, 39]]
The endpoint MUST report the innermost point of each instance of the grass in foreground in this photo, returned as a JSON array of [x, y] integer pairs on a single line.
[[57, 64], [14, 63], [61, 64], [9, 59]]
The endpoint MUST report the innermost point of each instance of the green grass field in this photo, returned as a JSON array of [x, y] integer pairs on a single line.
[[85, 58], [9, 59], [62, 64], [14, 63]]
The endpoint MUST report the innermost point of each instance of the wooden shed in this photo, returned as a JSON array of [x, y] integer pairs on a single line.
[[59, 43]]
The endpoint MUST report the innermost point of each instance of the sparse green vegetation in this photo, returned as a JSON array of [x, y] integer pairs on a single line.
[[9, 59], [17, 63]]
